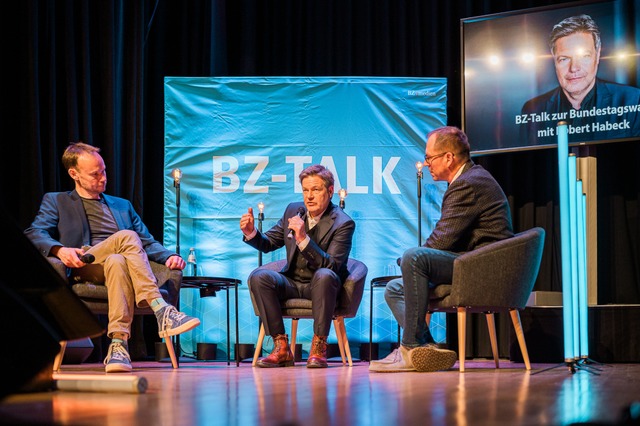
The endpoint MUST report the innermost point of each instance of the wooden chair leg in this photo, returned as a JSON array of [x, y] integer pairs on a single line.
[[57, 362], [256, 353], [491, 324], [294, 333], [517, 325], [343, 341], [172, 353], [462, 336]]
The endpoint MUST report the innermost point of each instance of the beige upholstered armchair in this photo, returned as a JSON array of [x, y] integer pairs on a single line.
[[95, 297]]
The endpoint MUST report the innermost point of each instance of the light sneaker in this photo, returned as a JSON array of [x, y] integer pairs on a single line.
[[402, 363], [431, 358], [392, 357], [117, 359], [171, 322]]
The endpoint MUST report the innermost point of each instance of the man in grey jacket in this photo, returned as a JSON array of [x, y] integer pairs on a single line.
[[475, 212]]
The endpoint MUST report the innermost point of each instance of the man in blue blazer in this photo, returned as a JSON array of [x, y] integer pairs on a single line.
[[317, 236], [474, 212], [594, 109], [86, 225]]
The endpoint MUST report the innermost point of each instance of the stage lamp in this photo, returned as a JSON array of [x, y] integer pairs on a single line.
[[342, 193], [177, 175]]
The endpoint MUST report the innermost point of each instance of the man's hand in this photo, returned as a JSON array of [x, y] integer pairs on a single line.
[[247, 222], [296, 224], [69, 256], [175, 262]]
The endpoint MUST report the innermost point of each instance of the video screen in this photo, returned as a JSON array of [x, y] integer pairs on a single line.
[[525, 71]]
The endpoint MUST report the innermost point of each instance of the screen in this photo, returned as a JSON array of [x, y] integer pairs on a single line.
[[515, 90]]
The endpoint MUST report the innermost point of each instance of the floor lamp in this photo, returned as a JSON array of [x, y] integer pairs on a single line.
[[573, 254], [177, 176]]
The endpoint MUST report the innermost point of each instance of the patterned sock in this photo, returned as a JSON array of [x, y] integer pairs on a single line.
[[157, 304]]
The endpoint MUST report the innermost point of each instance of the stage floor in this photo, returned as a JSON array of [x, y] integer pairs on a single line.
[[213, 393]]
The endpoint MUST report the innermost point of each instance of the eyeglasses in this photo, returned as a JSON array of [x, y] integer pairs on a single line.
[[429, 159]]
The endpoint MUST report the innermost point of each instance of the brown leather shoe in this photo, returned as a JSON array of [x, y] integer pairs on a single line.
[[280, 356], [318, 354]]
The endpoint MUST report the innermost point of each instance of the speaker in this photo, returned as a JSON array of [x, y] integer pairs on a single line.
[[37, 311]]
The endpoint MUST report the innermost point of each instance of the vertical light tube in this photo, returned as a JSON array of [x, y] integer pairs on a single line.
[[573, 232], [565, 248], [583, 308]]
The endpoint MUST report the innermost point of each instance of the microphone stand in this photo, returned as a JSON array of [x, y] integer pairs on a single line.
[[419, 166], [260, 219]]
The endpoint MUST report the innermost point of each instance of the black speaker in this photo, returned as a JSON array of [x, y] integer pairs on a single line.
[[37, 311]]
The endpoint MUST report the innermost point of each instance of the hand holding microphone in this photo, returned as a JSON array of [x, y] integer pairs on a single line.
[[301, 214]]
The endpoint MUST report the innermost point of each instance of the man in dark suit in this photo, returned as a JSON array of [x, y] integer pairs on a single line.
[[317, 236], [593, 108], [70, 225], [474, 212]]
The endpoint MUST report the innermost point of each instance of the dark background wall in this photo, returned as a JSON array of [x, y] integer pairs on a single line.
[[93, 71]]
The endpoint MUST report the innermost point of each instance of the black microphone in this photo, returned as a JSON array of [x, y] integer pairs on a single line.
[[398, 260], [87, 258], [301, 213]]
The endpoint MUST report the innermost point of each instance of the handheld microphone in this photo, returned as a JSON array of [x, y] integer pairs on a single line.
[[87, 258], [301, 213]]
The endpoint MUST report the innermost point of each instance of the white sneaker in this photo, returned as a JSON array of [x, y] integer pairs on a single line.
[[402, 363], [392, 357]]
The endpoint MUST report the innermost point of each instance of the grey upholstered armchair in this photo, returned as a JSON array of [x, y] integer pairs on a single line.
[[95, 297], [496, 277], [348, 303]]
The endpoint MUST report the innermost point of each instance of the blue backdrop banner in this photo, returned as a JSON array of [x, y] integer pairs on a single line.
[[243, 140]]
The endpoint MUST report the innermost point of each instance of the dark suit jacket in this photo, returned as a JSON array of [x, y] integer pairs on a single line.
[[330, 249], [474, 212], [606, 95], [61, 221]]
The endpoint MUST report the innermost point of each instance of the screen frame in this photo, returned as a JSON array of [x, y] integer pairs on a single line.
[[479, 139]]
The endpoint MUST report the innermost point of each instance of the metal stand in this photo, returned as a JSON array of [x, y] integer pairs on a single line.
[[419, 177], [583, 364], [260, 219], [208, 287], [177, 175]]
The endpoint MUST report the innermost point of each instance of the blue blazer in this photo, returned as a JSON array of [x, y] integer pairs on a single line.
[[61, 221]]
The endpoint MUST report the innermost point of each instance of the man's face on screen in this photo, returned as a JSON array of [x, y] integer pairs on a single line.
[[576, 60]]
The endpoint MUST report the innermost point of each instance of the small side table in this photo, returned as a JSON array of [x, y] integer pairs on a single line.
[[209, 286], [378, 282]]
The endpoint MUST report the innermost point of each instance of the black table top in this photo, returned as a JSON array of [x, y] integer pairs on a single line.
[[199, 282], [382, 281]]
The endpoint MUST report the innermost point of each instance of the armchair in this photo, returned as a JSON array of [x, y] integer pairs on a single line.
[[348, 303], [496, 277], [94, 296]]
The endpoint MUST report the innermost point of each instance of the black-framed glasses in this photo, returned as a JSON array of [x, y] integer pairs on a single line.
[[429, 159]]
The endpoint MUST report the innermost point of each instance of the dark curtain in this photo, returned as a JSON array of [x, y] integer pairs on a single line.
[[93, 70]]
